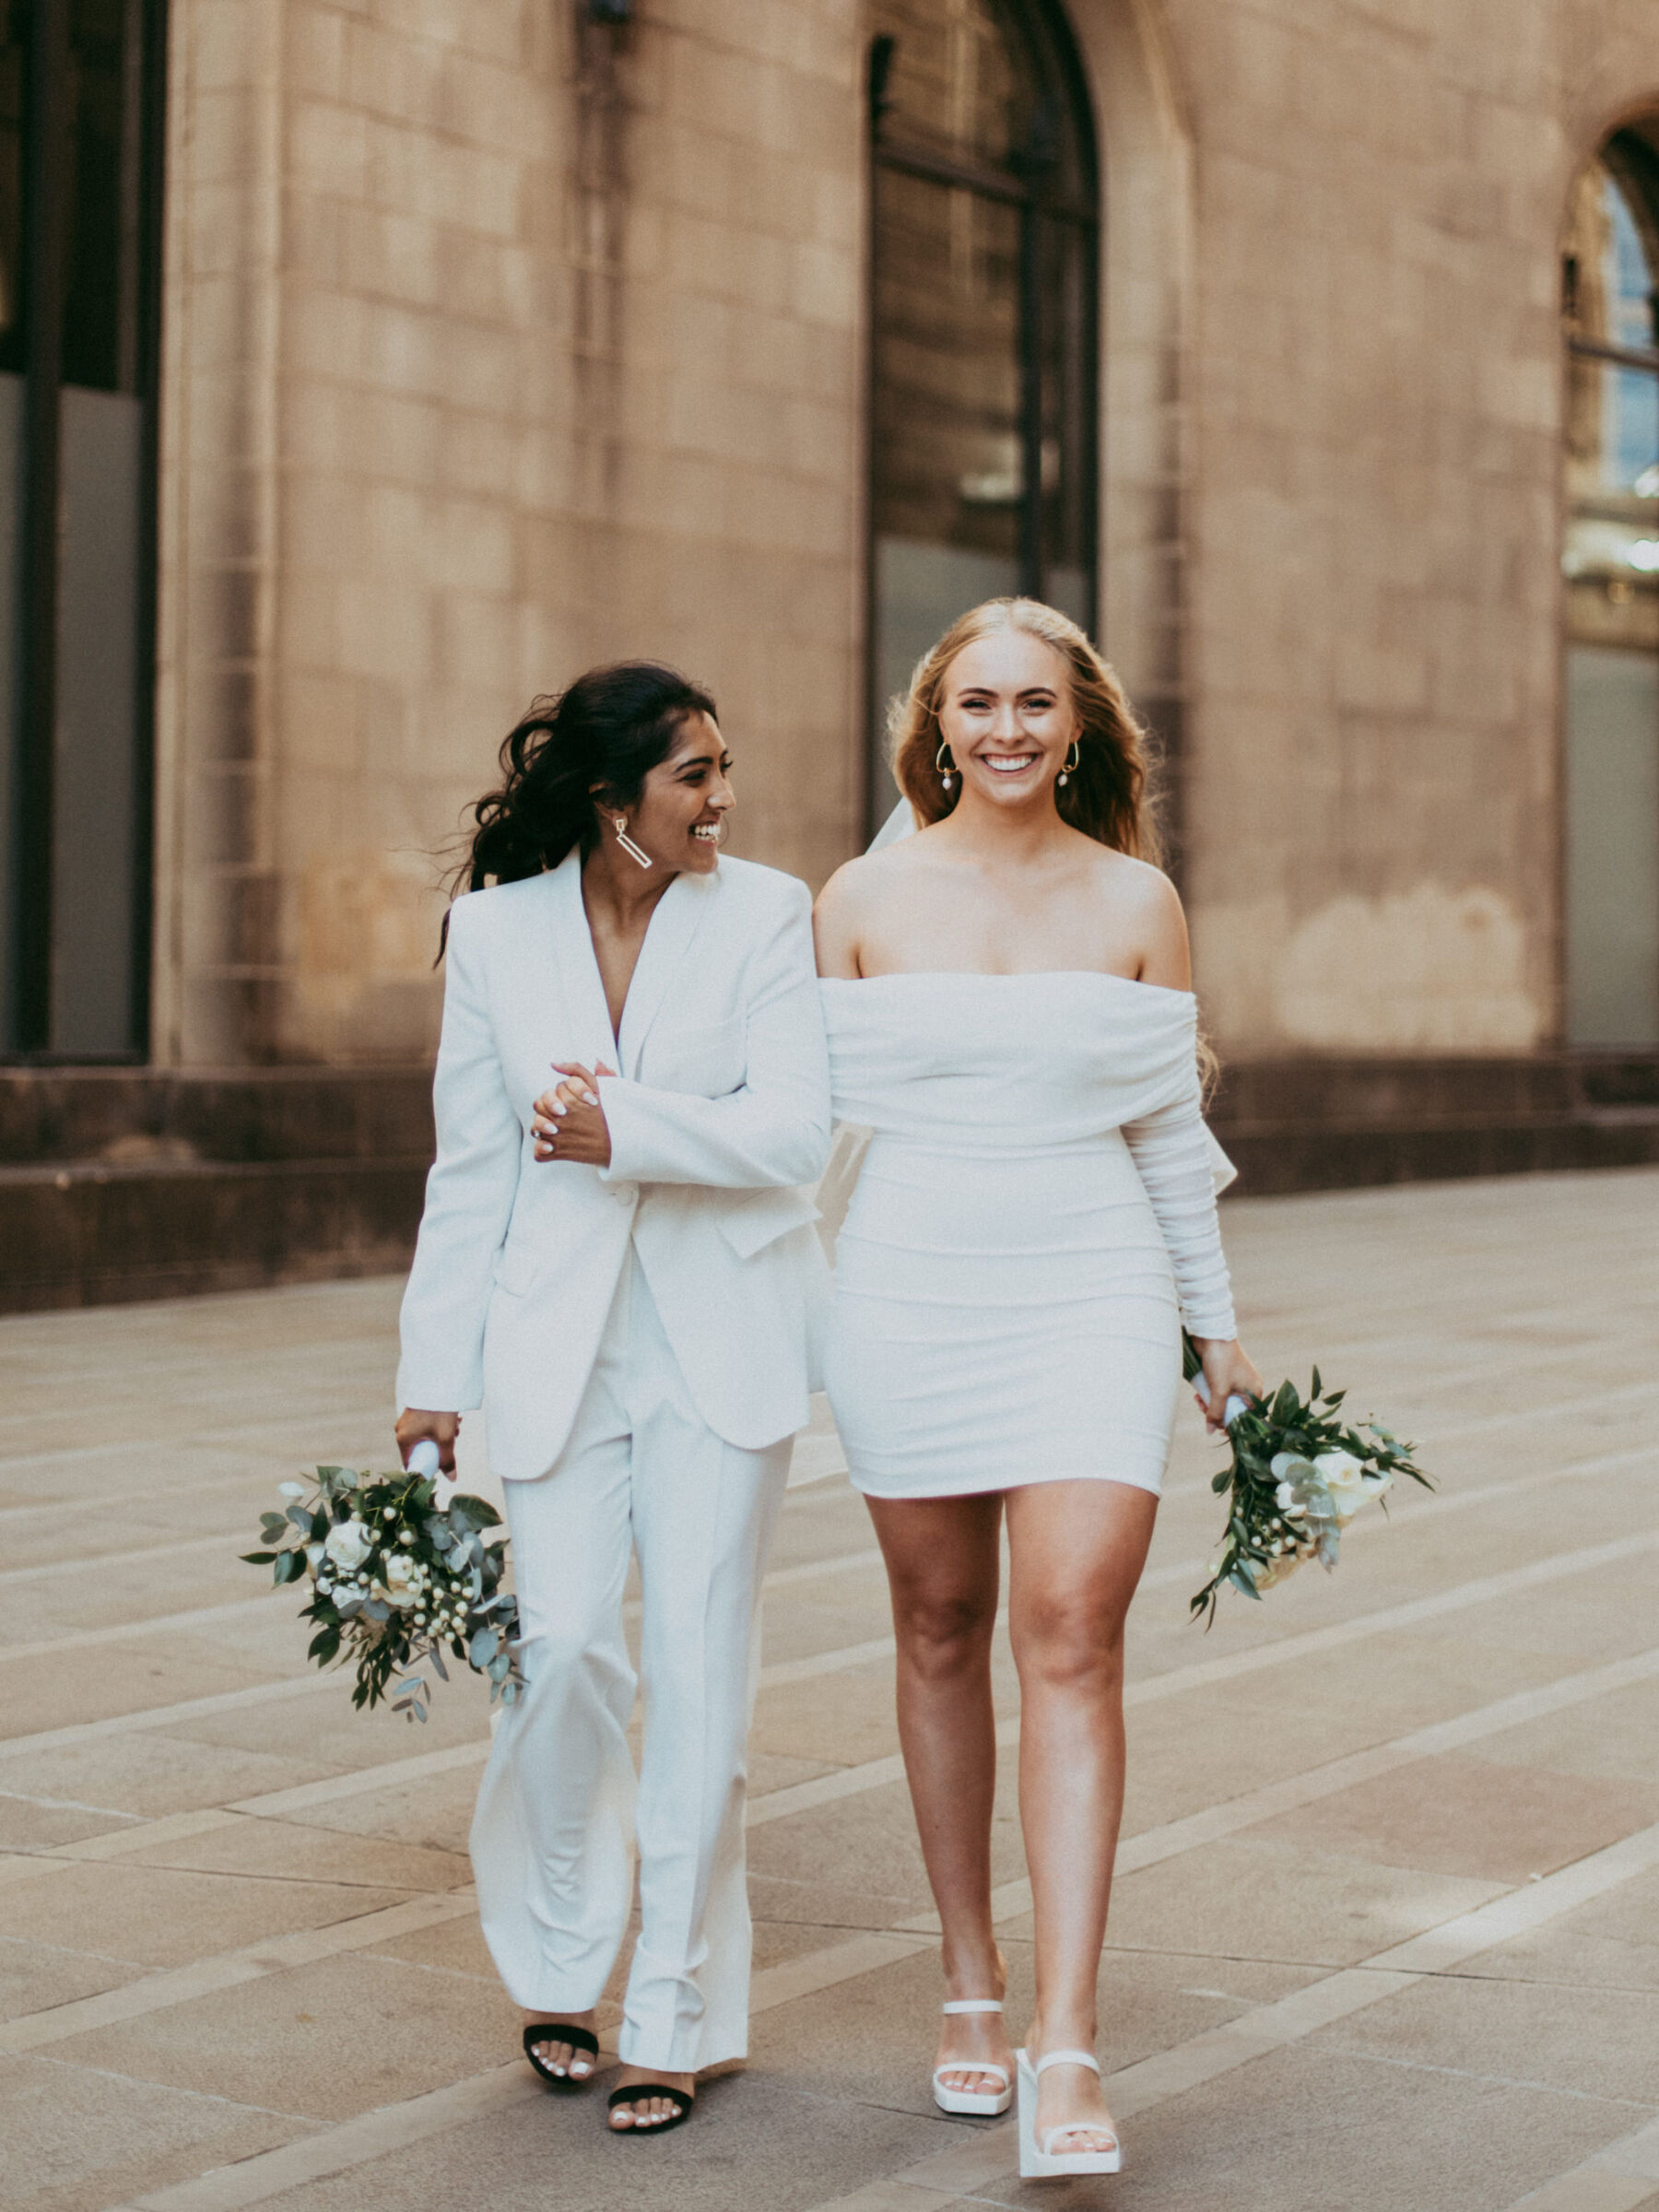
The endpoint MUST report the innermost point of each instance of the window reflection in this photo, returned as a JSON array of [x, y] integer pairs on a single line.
[[1610, 559], [1611, 554], [982, 300]]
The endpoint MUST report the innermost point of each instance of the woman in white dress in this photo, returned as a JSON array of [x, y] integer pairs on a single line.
[[1008, 1001], [618, 1266]]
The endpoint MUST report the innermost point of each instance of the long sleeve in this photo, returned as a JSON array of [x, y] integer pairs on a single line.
[[775, 1128], [1173, 1152], [469, 1196]]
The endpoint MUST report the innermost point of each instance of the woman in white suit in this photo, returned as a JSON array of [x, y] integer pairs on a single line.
[[616, 1263]]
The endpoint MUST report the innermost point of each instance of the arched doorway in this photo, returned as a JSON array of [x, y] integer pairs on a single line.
[[1610, 303], [983, 273], [80, 85]]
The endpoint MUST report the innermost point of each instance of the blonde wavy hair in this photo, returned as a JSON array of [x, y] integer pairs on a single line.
[[1108, 794]]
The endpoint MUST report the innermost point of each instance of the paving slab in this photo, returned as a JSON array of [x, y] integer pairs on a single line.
[[292, 2003]]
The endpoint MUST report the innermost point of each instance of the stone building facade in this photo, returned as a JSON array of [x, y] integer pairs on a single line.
[[495, 338]]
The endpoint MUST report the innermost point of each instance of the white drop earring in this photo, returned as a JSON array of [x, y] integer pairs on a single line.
[[946, 763], [635, 852], [1072, 760]]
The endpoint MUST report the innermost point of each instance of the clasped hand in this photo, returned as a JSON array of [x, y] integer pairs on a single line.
[[568, 1123]]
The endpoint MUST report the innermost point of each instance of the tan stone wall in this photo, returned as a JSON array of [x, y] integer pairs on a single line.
[[1371, 782], [498, 345]]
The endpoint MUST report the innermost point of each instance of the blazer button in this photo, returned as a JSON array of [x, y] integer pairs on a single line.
[[625, 1193]]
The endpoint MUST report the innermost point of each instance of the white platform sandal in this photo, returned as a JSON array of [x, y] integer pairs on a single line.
[[1041, 2162], [978, 2103]]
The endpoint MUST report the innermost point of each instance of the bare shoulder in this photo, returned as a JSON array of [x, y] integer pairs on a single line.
[[862, 899], [1136, 887], [1145, 918]]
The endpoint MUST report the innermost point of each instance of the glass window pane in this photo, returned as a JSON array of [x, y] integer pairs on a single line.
[[1611, 553], [945, 428], [100, 660], [100, 243], [1612, 846], [1610, 253], [1065, 343], [958, 83], [11, 183]]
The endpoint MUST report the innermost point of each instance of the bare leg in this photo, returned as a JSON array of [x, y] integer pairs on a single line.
[[942, 1568], [1076, 1550]]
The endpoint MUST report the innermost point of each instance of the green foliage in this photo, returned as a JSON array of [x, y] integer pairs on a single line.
[[403, 1579], [1282, 1509]]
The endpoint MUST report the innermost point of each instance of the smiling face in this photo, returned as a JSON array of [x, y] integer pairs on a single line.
[[683, 801], [1007, 714]]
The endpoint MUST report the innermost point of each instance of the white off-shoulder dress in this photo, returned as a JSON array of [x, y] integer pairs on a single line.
[[1035, 1215]]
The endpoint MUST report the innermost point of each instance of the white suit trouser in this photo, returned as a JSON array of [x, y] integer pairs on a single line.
[[557, 1818]]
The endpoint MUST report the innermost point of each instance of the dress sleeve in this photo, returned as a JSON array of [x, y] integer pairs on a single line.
[[1171, 1148]]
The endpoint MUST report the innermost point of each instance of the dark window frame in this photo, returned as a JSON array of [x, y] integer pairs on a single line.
[[26, 1014]]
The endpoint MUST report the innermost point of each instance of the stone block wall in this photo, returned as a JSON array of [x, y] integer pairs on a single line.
[[498, 344]]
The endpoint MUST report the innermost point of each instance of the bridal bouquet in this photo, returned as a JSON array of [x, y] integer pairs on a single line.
[[1298, 1476], [393, 1579]]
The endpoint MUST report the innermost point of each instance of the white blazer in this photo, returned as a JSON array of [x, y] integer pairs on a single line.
[[721, 1107]]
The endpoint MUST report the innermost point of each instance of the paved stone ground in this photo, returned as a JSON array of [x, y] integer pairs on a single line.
[[1385, 1932]]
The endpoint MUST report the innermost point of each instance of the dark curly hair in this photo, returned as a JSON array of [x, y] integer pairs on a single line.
[[604, 735]]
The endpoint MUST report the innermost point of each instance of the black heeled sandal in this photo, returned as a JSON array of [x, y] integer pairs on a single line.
[[684, 2098], [561, 2031]]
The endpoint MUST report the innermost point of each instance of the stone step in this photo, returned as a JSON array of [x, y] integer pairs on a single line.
[[93, 1232], [1276, 1158]]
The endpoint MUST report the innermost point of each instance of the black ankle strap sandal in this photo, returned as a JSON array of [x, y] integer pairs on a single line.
[[558, 2031], [684, 2098]]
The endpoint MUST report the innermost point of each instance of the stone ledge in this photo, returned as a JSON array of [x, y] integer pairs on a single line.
[[135, 1116], [87, 1233], [129, 1184]]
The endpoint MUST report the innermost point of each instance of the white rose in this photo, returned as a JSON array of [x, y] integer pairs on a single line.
[[348, 1545], [1377, 1480], [402, 1581], [1345, 1478]]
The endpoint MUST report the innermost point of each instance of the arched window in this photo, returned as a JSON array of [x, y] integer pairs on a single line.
[[983, 458], [1610, 300], [79, 112]]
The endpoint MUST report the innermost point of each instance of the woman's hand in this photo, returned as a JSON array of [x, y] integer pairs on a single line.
[[414, 1422], [569, 1122], [1230, 1372]]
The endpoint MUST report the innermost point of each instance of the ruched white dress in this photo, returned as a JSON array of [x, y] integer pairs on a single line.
[[1035, 1215]]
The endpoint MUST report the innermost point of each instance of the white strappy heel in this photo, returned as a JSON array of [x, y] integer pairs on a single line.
[[980, 2103], [1038, 2161]]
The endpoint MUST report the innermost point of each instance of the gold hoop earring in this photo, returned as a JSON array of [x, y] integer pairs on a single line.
[[1073, 760], [634, 852], [945, 762]]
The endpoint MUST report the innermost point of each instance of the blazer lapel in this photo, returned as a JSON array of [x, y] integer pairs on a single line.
[[590, 1037], [668, 939]]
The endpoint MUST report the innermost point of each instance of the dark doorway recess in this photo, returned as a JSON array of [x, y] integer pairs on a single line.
[[984, 272], [80, 135]]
